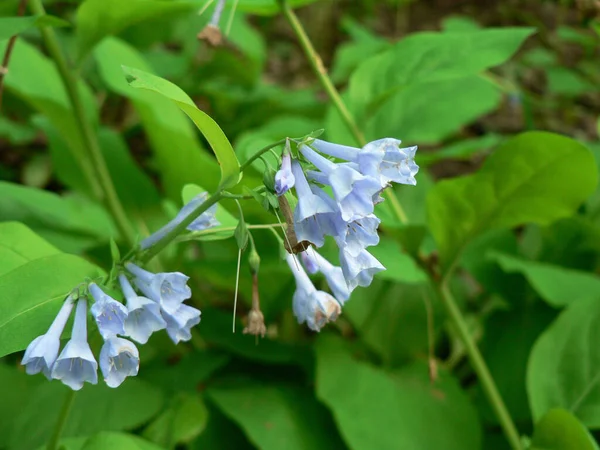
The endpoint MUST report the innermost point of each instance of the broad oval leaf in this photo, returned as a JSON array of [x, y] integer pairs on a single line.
[[19, 245], [99, 18], [31, 295], [376, 409], [230, 166], [535, 177], [557, 285], [560, 430], [564, 366], [121, 441]]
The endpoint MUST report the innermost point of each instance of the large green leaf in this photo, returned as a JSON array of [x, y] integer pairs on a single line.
[[517, 184], [31, 295], [179, 156], [19, 245], [71, 223], [560, 430], [408, 90], [230, 167], [99, 18], [96, 408], [276, 416], [564, 366], [375, 409], [557, 285]]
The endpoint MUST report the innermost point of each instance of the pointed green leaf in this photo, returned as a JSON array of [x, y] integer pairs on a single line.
[[535, 177], [230, 166], [560, 430], [10, 26]]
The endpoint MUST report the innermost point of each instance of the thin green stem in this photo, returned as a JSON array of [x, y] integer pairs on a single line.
[[317, 65], [97, 174], [62, 421], [483, 373], [177, 230], [259, 153]]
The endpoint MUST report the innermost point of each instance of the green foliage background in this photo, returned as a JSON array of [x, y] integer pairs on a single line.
[[503, 103]]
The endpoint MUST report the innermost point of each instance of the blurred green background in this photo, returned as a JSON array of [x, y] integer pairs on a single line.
[[462, 80]]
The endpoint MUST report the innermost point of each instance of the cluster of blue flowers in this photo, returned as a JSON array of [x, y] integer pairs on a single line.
[[347, 216], [161, 307]]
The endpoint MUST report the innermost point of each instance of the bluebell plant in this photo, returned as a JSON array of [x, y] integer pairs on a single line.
[[334, 199]]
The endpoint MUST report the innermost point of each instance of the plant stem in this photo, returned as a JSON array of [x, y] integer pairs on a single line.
[[317, 65], [8, 51], [172, 235], [70, 82], [259, 153], [319, 69], [483, 373], [62, 420]]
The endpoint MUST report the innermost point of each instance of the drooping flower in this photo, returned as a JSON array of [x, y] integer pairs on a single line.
[[359, 270], [119, 359], [43, 350], [398, 164], [359, 234], [109, 314], [333, 274], [180, 322], [309, 262], [143, 316], [169, 289], [76, 363], [314, 307], [284, 178], [204, 221], [352, 190], [311, 211]]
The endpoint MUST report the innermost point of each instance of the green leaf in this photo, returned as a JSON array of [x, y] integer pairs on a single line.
[[516, 185], [99, 18], [121, 441], [19, 245], [399, 315], [10, 26], [399, 266], [464, 149], [16, 389], [179, 157], [415, 82], [230, 167], [560, 430], [70, 223], [268, 7], [564, 366], [32, 294], [183, 421], [556, 285], [133, 404], [276, 416], [375, 409]]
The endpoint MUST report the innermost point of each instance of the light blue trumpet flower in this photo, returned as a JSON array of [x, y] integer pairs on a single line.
[[314, 307], [43, 350], [284, 178], [109, 314], [312, 213], [333, 274], [359, 234], [353, 191], [143, 314], [398, 164], [168, 289], [367, 160], [76, 363], [180, 322], [359, 269], [119, 359]]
